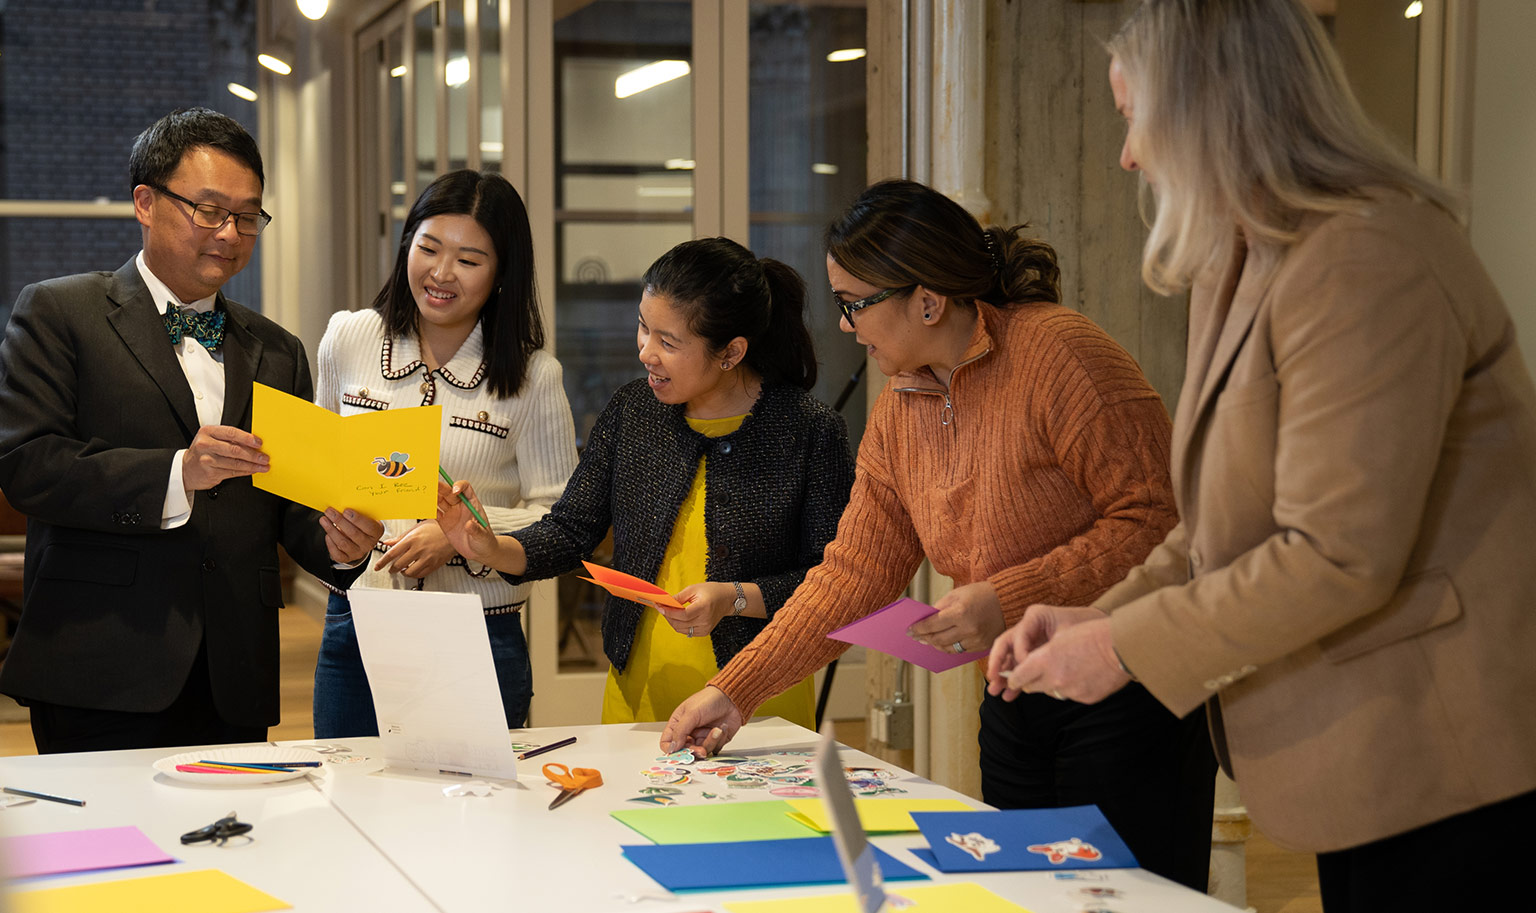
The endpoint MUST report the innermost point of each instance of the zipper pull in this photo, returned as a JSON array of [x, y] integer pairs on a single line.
[[949, 412]]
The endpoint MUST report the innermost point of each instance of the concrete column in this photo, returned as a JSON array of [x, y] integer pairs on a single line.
[[1230, 830]]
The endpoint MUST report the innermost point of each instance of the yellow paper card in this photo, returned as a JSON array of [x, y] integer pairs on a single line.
[[878, 816], [960, 897], [383, 464], [207, 891]]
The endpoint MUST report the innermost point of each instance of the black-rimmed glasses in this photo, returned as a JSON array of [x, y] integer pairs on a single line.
[[848, 307], [207, 215]]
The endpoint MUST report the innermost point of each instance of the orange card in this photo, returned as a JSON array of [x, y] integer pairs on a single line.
[[628, 586]]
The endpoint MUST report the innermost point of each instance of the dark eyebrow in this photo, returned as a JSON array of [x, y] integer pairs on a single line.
[[210, 195], [439, 242], [663, 333]]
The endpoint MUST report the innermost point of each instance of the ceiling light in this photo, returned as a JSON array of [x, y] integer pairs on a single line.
[[280, 67], [823, 168], [241, 91], [678, 164], [1413, 10], [398, 72], [456, 72], [649, 76], [314, 9], [845, 54], [491, 147]]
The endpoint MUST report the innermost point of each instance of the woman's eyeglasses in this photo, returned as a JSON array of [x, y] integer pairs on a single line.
[[848, 307]]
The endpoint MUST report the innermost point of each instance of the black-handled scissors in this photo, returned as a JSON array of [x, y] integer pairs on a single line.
[[220, 830]]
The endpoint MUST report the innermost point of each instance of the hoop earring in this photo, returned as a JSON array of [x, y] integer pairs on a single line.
[[926, 315]]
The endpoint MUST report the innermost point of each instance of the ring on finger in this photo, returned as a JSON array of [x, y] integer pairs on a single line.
[[1056, 693], [690, 630], [956, 647]]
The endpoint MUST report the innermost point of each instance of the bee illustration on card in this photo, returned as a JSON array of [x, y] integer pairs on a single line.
[[396, 466]]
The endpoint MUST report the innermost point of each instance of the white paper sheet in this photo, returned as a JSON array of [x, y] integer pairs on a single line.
[[429, 664], [853, 848]]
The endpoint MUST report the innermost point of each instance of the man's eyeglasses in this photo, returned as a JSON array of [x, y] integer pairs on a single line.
[[207, 215], [848, 307]]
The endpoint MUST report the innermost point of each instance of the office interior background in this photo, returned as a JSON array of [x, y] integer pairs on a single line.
[[630, 125]]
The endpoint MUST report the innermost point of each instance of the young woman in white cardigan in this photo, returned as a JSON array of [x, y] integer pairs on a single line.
[[456, 324]]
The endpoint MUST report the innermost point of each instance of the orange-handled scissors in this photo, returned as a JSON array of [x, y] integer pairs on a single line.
[[571, 781]]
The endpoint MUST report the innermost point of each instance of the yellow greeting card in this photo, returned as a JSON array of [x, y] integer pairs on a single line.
[[383, 464]]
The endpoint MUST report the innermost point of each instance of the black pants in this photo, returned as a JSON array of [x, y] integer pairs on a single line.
[[1468, 861], [191, 719], [1152, 774]]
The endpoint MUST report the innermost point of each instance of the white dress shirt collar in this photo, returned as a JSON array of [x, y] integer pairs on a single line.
[[162, 295]]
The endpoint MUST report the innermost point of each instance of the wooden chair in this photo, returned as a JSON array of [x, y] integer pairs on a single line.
[[13, 542]]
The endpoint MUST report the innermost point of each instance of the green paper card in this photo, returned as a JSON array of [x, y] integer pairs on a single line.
[[723, 823]]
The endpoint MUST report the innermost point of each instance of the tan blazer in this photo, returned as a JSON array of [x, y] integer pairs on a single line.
[[1354, 576]]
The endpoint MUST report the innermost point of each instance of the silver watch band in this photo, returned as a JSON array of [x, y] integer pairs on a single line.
[[740, 605]]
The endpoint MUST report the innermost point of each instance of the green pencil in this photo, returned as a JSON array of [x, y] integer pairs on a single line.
[[449, 479]]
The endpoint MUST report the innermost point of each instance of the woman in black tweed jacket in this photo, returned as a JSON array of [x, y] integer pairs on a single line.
[[721, 333]]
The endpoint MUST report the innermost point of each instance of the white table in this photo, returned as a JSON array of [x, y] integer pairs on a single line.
[[358, 837]]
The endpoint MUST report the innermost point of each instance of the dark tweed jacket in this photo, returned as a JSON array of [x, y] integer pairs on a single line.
[[774, 490]]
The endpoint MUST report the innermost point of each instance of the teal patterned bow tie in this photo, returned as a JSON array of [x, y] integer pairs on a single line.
[[207, 329]]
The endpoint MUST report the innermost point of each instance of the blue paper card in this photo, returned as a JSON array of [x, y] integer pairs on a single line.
[[1023, 839], [751, 864]]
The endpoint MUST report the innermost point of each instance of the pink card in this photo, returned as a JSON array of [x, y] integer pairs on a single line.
[[886, 630], [78, 851]]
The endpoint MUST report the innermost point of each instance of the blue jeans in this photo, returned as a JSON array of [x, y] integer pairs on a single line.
[[344, 702]]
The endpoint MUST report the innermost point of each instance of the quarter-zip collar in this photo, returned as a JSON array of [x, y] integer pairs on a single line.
[[923, 380]]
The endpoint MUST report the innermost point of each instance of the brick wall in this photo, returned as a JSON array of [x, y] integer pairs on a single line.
[[78, 81]]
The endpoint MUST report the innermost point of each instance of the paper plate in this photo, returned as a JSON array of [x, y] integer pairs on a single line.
[[258, 753]]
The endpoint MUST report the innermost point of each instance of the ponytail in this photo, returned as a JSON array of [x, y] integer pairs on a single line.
[[784, 353], [1026, 267]]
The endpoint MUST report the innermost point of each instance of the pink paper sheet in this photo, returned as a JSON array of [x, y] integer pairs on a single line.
[[78, 851], [886, 630]]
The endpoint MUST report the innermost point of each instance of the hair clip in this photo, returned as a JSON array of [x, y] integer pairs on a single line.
[[993, 253]]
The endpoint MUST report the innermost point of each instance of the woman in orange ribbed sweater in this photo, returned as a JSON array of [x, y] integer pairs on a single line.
[[1020, 450]]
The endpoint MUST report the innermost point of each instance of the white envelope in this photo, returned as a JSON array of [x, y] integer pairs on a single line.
[[429, 663]]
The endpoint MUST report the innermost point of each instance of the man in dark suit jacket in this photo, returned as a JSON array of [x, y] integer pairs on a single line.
[[152, 588]]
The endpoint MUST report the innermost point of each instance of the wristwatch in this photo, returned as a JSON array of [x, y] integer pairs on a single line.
[[740, 605]]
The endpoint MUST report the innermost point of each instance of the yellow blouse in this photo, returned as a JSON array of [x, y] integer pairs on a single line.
[[666, 667]]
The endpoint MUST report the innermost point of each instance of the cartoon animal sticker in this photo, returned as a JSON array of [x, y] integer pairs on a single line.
[[396, 466], [978, 845], [795, 792], [1062, 850], [665, 776], [653, 800]]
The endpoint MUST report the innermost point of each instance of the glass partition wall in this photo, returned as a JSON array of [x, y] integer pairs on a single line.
[[594, 111]]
